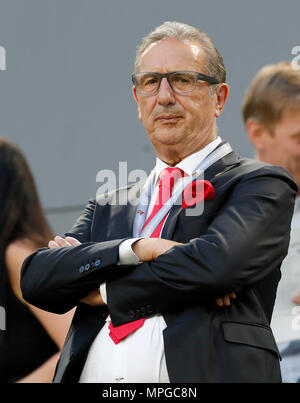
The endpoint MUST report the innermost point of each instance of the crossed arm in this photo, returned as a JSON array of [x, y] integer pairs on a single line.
[[246, 241], [145, 249]]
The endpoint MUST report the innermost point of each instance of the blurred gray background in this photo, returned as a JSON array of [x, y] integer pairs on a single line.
[[65, 97]]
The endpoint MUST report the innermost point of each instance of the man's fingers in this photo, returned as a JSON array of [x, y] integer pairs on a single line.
[[72, 241], [61, 241], [226, 300], [93, 299], [219, 302], [53, 245]]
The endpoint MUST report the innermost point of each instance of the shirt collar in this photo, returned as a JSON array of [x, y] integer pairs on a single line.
[[190, 163]]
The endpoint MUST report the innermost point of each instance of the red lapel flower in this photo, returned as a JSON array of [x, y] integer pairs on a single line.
[[197, 191]]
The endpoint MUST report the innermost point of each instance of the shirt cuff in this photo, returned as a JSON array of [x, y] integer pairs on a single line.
[[103, 292], [126, 254]]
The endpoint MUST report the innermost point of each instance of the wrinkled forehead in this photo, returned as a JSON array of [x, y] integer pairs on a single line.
[[172, 55]]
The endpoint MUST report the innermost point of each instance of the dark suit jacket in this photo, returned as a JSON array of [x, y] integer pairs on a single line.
[[237, 244]]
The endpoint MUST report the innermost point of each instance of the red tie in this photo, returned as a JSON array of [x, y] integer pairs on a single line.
[[167, 179]]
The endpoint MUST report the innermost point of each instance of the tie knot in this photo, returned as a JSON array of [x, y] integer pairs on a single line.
[[169, 176]]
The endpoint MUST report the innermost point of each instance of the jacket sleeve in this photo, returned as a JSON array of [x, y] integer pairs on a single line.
[[247, 240], [81, 230], [56, 279]]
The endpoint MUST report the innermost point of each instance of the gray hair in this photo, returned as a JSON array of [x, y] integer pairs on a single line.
[[176, 30]]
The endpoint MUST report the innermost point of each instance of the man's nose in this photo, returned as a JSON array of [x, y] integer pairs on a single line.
[[165, 94]]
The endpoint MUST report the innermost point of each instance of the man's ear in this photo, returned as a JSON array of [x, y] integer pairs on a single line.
[[221, 98], [137, 101], [257, 133]]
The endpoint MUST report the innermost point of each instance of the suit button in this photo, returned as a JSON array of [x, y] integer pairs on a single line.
[[87, 266], [143, 311], [97, 263], [137, 312], [81, 269], [149, 308], [131, 314]]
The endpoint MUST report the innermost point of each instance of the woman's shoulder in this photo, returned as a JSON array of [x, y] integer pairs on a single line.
[[15, 254], [20, 245], [17, 250]]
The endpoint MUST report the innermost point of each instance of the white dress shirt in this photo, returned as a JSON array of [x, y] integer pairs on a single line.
[[286, 315], [140, 356]]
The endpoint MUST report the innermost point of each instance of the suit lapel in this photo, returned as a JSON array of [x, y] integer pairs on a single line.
[[217, 169], [221, 166], [122, 213]]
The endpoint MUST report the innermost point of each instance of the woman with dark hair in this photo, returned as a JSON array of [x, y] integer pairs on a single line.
[[31, 339]]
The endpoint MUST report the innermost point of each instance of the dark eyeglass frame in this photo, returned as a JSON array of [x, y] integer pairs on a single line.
[[197, 76]]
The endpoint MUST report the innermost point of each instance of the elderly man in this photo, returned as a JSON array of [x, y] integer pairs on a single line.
[[271, 112], [162, 265]]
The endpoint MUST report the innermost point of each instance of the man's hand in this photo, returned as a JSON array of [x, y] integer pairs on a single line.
[[94, 298], [150, 248], [60, 242], [225, 300]]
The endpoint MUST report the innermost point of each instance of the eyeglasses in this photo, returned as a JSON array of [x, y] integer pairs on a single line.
[[181, 82]]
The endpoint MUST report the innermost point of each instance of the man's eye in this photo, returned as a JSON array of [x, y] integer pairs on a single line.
[[150, 81], [181, 79]]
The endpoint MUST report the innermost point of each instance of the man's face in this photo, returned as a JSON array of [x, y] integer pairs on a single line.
[[179, 124], [282, 147]]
